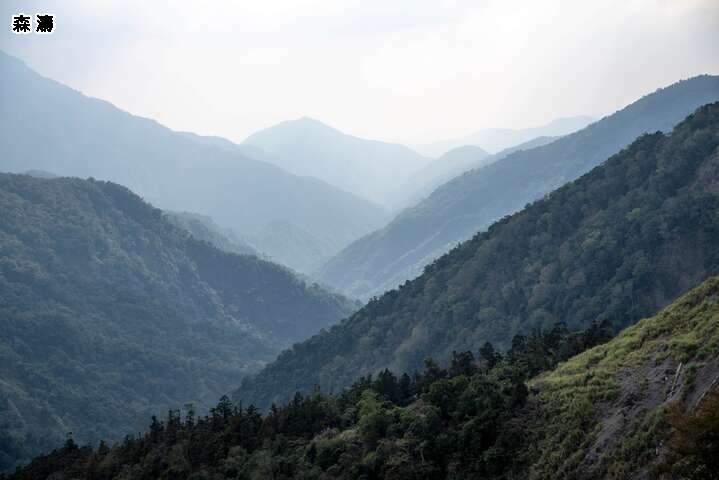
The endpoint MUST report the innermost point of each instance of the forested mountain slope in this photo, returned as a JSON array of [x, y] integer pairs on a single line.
[[618, 244], [473, 201], [368, 168], [109, 313], [453, 163], [644, 403], [444, 168], [47, 126], [204, 228]]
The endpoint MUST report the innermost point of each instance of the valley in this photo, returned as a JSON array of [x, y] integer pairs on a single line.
[[340, 240]]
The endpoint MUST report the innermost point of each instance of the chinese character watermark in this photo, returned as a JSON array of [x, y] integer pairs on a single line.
[[22, 24], [45, 23]]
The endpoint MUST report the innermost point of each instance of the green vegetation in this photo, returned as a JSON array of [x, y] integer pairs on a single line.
[[477, 418], [693, 441], [472, 202], [617, 244], [204, 228], [110, 313], [576, 392], [441, 423]]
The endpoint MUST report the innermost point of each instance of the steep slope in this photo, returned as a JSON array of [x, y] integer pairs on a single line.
[[47, 126], [616, 244], [473, 201], [204, 228], [110, 313], [647, 399], [449, 165], [453, 163], [368, 168], [308, 251], [602, 414], [495, 140]]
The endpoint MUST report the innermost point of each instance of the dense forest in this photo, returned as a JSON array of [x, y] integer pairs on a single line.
[[110, 313], [540, 411], [472, 202], [617, 244]]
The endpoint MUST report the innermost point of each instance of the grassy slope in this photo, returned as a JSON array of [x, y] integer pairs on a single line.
[[601, 410]]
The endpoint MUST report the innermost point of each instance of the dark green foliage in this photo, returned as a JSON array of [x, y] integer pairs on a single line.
[[457, 422], [473, 201], [614, 246], [109, 313], [465, 421], [693, 440]]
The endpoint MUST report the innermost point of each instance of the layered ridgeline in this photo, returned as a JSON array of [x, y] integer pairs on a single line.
[[495, 140], [368, 168], [453, 163], [444, 168], [646, 402], [470, 203], [110, 314], [47, 126], [616, 244], [204, 228]]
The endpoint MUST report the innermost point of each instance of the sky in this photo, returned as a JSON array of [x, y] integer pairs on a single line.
[[412, 71]]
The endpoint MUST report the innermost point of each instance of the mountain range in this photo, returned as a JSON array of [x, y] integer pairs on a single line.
[[452, 164], [473, 201], [204, 228], [615, 245], [559, 404], [494, 140], [47, 126], [545, 305], [368, 168], [111, 313]]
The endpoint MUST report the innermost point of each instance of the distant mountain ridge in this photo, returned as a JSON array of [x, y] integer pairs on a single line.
[[110, 314], [452, 164], [494, 140], [74, 135], [449, 165], [368, 168], [617, 244], [204, 228], [473, 201]]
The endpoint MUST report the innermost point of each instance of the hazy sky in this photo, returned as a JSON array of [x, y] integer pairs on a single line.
[[407, 70]]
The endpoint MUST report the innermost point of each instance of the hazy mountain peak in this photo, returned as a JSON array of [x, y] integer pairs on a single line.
[[309, 147], [304, 123], [465, 150], [497, 139], [75, 135]]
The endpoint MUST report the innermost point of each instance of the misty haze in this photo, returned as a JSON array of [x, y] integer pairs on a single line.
[[354, 239]]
